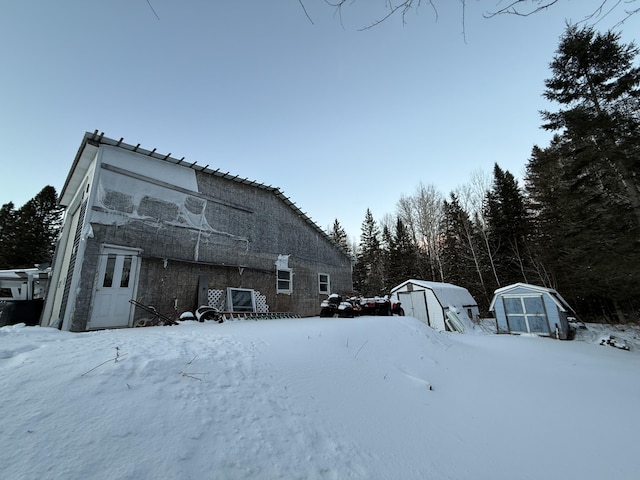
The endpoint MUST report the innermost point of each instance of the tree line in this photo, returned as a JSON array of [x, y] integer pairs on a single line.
[[28, 234], [573, 222]]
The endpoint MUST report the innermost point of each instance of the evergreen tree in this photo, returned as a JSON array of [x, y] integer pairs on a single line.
[[598, 88], [7, 235], [339, 235], [385, 251], [461, 251], [403, 256], [368, 276], [508, 228], [28, 235], [584, 188], [584, 239]]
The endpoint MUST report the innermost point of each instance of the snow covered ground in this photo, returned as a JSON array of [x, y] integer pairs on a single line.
[[364, 398]]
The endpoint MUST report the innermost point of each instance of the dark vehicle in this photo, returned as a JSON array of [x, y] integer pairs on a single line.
[[335, 306], [396, 309], [376, 306]]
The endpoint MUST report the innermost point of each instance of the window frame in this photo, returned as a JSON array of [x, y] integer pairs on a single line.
[[526, 318], [327, 291], [289, 280], [230, 304]]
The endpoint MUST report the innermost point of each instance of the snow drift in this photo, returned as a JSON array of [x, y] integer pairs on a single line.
[[364, 398]]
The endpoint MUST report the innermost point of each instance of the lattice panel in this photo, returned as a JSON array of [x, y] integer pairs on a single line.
[[217, 299], [261, 302]]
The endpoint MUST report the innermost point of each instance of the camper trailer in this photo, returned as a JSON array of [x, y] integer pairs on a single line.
[[22, 293]]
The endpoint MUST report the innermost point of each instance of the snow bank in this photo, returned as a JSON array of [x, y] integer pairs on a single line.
[[364, 398]]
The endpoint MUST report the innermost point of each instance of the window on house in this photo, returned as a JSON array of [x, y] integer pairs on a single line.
[[241, 300], [323, 283], [284, 281]]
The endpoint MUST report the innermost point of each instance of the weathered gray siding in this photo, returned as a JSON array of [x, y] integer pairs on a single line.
[[229, 231]]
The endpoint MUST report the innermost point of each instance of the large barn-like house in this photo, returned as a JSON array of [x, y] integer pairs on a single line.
[[158, 230]]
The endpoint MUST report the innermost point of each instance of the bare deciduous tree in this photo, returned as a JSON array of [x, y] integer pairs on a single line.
[[422, 215], [522, 8]]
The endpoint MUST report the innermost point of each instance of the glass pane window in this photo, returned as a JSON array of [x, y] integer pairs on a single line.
[[241, 300], [323, 283], [284, 281], [513, 305], [517, 323], [107, 281], [533, 305], [538, 323], [126, 272]]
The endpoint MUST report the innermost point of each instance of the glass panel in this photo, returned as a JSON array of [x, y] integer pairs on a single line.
[[513, 305], [126, 272], [538, 323], [324, 283], [534, 305], [108, 272], [283, 275], [242, 300], [517, 323], [284, 280]]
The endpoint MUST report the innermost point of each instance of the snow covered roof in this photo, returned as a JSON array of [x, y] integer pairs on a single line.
[[562, 304], [446, 293], [92, 141]]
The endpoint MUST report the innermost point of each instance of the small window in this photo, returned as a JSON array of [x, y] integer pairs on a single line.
[[324, 285], [241, 300], [284, 283]]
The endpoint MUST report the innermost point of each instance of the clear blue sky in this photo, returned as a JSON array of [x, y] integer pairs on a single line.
[[341, 120]]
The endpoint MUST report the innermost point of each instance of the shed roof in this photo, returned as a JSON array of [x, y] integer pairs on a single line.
[[92, 141], [446, 293], [553, 294]]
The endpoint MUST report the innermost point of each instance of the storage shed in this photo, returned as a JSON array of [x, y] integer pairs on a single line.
[[443, 306], [524, 308]]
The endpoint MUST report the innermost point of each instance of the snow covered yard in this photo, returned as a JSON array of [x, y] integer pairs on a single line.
[[364, 398]]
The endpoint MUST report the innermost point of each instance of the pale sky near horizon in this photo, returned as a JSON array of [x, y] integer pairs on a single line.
[[340, 120]]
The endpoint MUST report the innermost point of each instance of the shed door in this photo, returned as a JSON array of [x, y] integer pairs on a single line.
[[116, 281], [526, 314], [414, 305]]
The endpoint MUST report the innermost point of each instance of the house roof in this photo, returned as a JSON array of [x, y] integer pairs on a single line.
[[553, 294], [446, 293], [92, 141]]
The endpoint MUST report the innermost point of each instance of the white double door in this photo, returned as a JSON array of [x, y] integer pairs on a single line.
[[115, 286]]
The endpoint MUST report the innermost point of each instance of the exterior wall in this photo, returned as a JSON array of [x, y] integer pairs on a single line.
[[66, 281], [203, 224], [436, 312]]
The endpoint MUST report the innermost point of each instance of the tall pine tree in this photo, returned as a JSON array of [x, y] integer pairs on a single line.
[[585, 187], [403, 256], [28, 235], [339, 235], [368, 272], [508, 228]]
